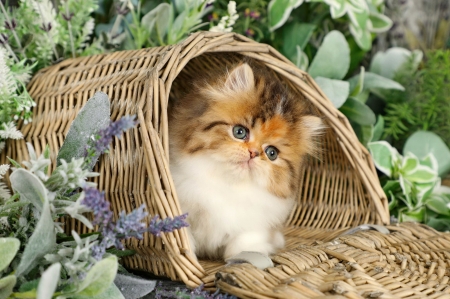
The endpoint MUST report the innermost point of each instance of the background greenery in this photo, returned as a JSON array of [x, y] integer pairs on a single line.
[[385, 64]]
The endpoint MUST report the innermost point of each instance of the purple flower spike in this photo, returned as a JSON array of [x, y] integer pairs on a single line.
[[114, 129], [95, 200], [167, 225], [131, 225]]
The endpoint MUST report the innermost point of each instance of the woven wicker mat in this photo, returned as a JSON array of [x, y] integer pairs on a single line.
[[413, 261]]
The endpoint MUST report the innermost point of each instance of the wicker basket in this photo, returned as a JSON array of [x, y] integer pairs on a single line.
[[337, 191]]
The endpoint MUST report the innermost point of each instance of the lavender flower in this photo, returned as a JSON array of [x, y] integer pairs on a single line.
[[197, 293], [158, 226], [127, 226], [131, 225], [116, 128], [95, 200]]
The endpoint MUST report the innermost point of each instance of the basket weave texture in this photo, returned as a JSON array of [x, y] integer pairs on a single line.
[[337, 191]]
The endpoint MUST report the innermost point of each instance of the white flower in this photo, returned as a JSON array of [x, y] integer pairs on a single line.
[[232, 8], [7, 83], [3, 169], [36, 164], [226, 22], [76, 210], [47, 13], [10, 131]]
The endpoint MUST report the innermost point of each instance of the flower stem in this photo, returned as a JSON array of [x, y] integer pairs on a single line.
[[16, 37], [115, 27]]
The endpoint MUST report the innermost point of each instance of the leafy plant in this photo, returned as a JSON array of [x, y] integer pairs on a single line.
[[329, 68], [33, 246], [364, 16], [426, 103], [40, 32], [137, 26], [413, 186]]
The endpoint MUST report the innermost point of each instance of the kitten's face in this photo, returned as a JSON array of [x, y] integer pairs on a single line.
[[249, 126]]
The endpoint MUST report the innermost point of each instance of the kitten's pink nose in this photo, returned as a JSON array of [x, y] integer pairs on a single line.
[[253, 153]]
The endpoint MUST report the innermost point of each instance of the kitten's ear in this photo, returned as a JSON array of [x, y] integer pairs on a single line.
[[311, 127], [241, 79]]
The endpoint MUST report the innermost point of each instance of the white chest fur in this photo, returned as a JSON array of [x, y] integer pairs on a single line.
[[222, 207]]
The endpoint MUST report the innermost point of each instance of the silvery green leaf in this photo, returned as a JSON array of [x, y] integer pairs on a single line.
[[439, 223], [372, 81], [378, 23], [416, 215], [176, 28], [333, 57], [295, 35], [358, 19], [378, 128], [357, 83], [430, 161], [279, 11], [422, 174], [382, 154], [422, 143], [6, 286], [388, 63], [358, 112], [163, 19], [112, 292], [406, 189], [8, 250], [133, 287], [49, 282], [364, 133], [41, 242], [93, 117], [180, 5], [99, 278], [29, 187], [339, 10], [424, 190], [409, 163], [336, 90], [301, 60], [362, 37]]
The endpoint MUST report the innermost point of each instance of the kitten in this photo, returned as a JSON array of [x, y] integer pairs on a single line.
[[237, 143]]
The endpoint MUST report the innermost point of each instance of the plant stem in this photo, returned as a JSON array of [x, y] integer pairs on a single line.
[[48, 34], [11, 51], [69, 26], [115, 27], [16, 37]]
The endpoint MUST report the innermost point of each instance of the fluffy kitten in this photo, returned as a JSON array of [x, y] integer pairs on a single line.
[[237, 142]]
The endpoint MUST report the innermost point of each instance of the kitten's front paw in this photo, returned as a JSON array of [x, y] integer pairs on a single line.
[[264, 242]]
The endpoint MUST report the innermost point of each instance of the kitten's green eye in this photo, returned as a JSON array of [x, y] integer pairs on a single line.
[[271, 152], [240, 132]]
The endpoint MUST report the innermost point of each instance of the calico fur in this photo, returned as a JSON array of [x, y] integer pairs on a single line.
[[236, 197]]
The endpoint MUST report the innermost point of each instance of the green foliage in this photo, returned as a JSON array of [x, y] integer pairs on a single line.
[[363, 16], [413, 186], [44, 33], [425, 105]]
